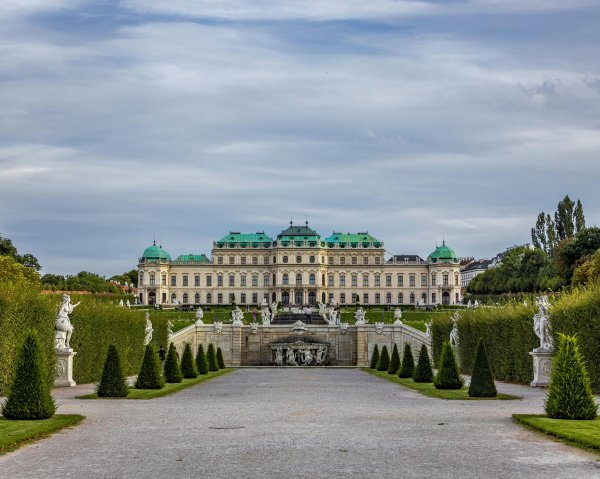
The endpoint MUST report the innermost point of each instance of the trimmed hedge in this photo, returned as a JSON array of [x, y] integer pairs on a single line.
[[408, 363], [395, 361], [482, 383], [211, 356], [384, 359], [113, 382], [150, 376], [423, 372], [172, 369], [448, 375], [201, 362], [220, 360], [374, 358]]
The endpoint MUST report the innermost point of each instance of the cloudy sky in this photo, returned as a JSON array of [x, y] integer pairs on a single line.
[[185, 119]]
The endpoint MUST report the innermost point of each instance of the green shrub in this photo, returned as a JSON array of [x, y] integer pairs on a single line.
[[29, 396], [374, 358], [384, 359], [423, 372], [448, 375], [482, 382], [201, 361], [112, 383], [213, 365], [408, 363], [220, 360], [569, 394], [395, 361], [150, 376], [172, 369], [188, 367]]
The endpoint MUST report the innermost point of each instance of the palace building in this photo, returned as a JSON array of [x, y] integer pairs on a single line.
[[299, 267]]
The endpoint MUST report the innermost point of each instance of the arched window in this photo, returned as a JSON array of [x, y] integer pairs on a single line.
[[173, 297], [311, 279], [208, 298], [412, 298], [298, 279], [400, 298], [197, 298], [323, 280], [388, 298], [286, 279], [424, 298], [185, 298]]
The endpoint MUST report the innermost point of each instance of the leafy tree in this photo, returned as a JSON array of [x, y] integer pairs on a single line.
[[570, 394], [150, 376], [220, 360], [448, 376], [588, 272], [384, 359], [579, 217], [408, 363], [374, 358], [423, 372], [29, 396], [201, 363], [129, 277], [568, 221], [395, 361], [172, 369], [482, 382], [112, 383], [564, 219], [576, 250], [211, 354], [188, 367], [8, 249]]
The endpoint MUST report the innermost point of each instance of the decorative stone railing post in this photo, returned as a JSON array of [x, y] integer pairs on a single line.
[[542, 356]]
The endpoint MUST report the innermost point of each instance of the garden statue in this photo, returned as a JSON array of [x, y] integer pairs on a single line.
[[322, 310], [121, 303], [264, 304], [332, 316], [398, 316], [320, 356], [199, 316], [266, 317], [307, 357], [454, 332], [279, 357], [541, 325], [63, 326], [149, 330], [428, 329], [274, 308], [169, 328], [237, 315], [360, 316], [291, 357], [469, 304], [128, 304]]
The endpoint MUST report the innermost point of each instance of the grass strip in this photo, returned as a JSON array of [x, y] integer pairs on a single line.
[[170, 388], [428, 389], [584, 434], [17, 433]]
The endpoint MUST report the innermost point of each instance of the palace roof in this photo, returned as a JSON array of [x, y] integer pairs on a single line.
[[155, 253], [298, 233], [442, 254], [191, 258], [245, 239], [352, 240]]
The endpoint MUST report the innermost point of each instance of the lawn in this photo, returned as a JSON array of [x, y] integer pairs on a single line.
[[578, 433], [17, 433], [170, 388], [428, 389]]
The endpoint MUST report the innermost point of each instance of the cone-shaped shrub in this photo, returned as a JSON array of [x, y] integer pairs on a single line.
[[384, 359], [408, 363], [374, 358], [188, 368], [482, 382], [150, 376], [201, 361], [220, 360], [395, 361], [112, 384], [448, 375], [570, 394], [172, 369], [423, 372], [211, 356], [29, 396]]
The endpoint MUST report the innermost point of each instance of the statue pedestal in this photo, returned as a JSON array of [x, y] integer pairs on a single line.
[[64, 369], [542, 367]]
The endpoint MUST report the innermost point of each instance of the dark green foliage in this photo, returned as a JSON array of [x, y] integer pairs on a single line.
[[220, 360], [211, 356], [384, 359], [482, 383], [201, 363], [423, 372], [112, 384], [150, 376], [29, 396], [575, 249], [408, 363], [448, 375], [188, 367], [569, 394], [395, 361], [374, 358], [172, 369]]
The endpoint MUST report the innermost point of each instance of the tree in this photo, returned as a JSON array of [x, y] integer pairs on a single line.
[[150, 376], [569, 394], [211, 354], [172, 369], [408, 363], [395, 361], [201, 361], [482, 382], [374, 358], [112, 384], [423, 372], [188, 368], [220, 360], [129, 277], [8, 249], [577, 250], [564, 219], [384, 359], [579, 217], [448, 375], [588, 272], [29, 396]]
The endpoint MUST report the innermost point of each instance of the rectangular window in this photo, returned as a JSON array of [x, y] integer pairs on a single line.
[[354, 260], [254, 259], [243, 298], [208, 298], [377, 280], [377, 260], [265, 279], [400, 280], [433, 298], [388, 298], [220, 298], [209, 280], [243, 280], [388, 280], [445, 278], [220, 280], [365, 280], [366, 298], [354, 298], [254, 298], [423, 280], [343, 298], [342, 280], [232, 260], [185, 280], [231, 280], [329, 280], [411, 280], [243, 260], [266, 296], [197, 280], [456, 280], [173, 280], [152, 280], [220, 260], [365, 260], [331, 260], [330, 298], [456, 298], [164, 281], [343, 260], [433, 278], [354, 280], [267, 260], [377, 298]]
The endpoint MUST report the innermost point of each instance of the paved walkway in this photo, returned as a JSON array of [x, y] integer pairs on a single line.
[[299, 423]]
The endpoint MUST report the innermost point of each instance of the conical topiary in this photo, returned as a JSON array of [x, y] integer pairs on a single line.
[[188, 368], [220, 360], [172, 369], [211, 356], [394, 361], [150, 376], [408, 363], [112, 384], [374, 358], [423, 372], [448, 375], [384, 359], [29, 396], [570, 394], [201, 361], [482, 382]]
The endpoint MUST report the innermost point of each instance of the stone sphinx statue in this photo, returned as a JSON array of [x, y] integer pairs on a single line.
[[63, 326], [149, 330], [541, 325]]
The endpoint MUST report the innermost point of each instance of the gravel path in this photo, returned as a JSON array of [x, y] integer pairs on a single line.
[[297, 423]]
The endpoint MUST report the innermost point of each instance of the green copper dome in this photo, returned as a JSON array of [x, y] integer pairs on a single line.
[[442, 254], [154, 253]]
